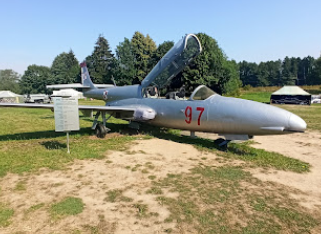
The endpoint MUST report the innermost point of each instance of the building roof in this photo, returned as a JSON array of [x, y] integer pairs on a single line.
[[7, 94], [68, 93], [290, 90]]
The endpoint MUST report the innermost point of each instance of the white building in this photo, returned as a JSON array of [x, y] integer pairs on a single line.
[[67, 93], [7, 96]]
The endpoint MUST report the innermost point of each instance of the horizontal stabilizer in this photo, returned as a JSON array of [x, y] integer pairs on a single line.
[[68, 86], [104, 86], [78, 86]]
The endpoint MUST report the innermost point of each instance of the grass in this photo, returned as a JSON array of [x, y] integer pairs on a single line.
[[312, 89], [68, 206], [5, 214], [116, 196], [155, 190], [257, 157], [20, 186], [311, 114], [29, 142], [266, 159], [217, 200], [210, 199], [141, 209], [257, 96], [35, 207]]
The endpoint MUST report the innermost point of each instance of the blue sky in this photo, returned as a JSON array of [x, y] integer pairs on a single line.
[[36, 31]]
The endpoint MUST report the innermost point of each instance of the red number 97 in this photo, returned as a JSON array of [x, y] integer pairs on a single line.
[[188, 114]]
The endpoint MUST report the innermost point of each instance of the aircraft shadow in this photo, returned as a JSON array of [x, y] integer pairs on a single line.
[[41, 135], [162, 133], [158, 132]]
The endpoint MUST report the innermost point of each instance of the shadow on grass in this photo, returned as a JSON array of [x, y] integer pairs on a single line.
[[174, 135], [53, 145], [243, 151], [42, 135], [47, 117]]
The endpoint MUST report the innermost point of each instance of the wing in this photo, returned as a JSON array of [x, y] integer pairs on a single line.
[[135, 112], [26, 105], [79, 86]]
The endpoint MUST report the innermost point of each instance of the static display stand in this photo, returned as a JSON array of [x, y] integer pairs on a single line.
[[66, 116]]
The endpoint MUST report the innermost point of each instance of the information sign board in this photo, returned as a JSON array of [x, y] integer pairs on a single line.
[[66, 114]]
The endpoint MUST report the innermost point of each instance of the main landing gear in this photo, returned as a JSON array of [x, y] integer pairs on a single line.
[[100, 128], [223, 145]]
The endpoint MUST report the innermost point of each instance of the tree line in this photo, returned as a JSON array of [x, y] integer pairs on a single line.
[[134, 58], [290, 71]]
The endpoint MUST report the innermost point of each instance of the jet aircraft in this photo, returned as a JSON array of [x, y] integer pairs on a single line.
[[204, 111]]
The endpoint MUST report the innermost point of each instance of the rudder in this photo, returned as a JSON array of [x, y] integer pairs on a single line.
[[85, 77]]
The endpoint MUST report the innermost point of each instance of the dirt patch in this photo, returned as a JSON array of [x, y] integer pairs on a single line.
[[130, 172], [115, 189], [305, 147]]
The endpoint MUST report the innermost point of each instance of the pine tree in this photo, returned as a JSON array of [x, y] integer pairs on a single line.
[[100, 62], [124, 67], [65, 69], [142, 49]]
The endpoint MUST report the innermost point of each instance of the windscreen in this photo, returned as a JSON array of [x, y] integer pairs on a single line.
[[202, 93], [173, 61]]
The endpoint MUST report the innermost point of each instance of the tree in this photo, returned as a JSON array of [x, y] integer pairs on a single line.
[[210, 68], [306, 68], [65, 69], [35, 79], [206, 68], [9, 80], [142, 49], [248, 73], [274, 72], [161, 50], [230, 81], [262, 74], [100, 61], [288, 77], [124, 67], [315, 77]]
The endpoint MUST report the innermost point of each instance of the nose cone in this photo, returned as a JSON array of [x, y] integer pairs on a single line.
[[296, 124]]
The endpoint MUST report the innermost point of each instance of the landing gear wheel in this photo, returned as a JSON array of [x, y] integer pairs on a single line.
[[222, 144], [101, 131]]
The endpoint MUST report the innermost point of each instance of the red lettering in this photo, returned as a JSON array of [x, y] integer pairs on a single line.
[[188, 114], [201, 109]]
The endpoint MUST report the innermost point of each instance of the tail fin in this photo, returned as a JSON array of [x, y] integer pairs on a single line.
[[85, 77]]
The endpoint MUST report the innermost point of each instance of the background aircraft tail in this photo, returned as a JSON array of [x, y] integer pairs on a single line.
[[86, 82], [85, 77]]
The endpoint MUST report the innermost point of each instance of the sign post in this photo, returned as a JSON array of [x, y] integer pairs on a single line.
[[66, 116]]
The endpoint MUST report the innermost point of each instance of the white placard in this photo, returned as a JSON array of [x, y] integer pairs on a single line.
[[66, 114]]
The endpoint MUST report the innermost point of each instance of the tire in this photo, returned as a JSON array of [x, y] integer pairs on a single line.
[[100, 131]]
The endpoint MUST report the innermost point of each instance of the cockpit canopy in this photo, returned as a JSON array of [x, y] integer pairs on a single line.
[[202, 93], [173, 62]]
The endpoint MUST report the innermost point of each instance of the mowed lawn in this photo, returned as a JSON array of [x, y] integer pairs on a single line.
[[207, 196], [28, 140]]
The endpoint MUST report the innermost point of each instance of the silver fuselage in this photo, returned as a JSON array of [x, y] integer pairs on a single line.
[[217, 114]]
